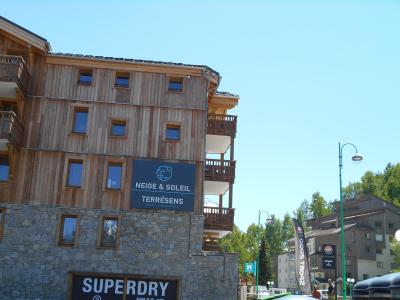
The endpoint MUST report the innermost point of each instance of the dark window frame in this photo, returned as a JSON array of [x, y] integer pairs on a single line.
[[76, 111], [100, 240], [85, 72], [122, 76], [119, 164], [176, 80], [6, 157], [60, 239], [71, 161], [171, 126], [118, 122]]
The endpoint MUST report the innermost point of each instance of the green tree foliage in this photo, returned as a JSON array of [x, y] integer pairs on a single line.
[[265, 263], [302, 213], [395, 248], [318, 206]]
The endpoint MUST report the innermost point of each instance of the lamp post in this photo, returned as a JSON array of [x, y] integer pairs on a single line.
[[356, 157], [258, 247], [351, 282]]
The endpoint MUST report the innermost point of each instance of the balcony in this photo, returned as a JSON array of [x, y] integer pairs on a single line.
[[218, 219], [11, 130], [13, 75], [220, 170], [221, 125]]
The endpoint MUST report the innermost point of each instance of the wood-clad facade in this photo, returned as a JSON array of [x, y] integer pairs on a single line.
[[67, 122]]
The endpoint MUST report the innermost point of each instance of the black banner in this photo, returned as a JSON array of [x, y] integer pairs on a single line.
[[98, 287], [303, 276]]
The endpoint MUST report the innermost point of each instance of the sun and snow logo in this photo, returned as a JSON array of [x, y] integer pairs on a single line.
[[164, 173]]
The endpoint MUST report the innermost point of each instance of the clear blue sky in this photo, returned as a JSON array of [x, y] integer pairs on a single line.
[[309, 74]]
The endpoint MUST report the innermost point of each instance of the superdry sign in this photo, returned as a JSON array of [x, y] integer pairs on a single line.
[[163, 185], [119, 288]]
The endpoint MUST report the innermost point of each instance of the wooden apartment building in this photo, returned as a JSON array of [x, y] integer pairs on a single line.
[[104, 167]]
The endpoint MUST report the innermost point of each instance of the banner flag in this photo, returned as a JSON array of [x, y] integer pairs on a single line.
[[303, 277]]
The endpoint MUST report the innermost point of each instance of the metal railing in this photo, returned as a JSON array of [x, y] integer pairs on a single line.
[[220, 170], [11, 128], [13, 69], [222, 124]]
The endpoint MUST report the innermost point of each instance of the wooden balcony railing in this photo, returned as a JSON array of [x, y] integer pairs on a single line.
[[220, 170], [13, 69], [222, 125], [10, 128], [211, 246], [216, 218]]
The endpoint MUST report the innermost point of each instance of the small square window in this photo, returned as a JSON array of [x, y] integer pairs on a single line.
[[68, 230], [80, 120], [378, 224], [367, 249], [122, 80], [4, 168], [118, 128], [114, 173], [109, 228], [391, 225], [75, 170], [85, 77], [175, 84], [173, 133]]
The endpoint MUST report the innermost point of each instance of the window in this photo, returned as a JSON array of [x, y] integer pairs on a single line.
[[85, 77], [80, 120], [68, 230], [175, 84], [122, 80], [114, 172], [378, 224], [348, 261], [367, 249], [391, 225], [379, 237], [109, 228], [2, 218], [378, 251], [75, 170], [379, 264], [173, 133], [118, 128], [367, 236], [4, 168]]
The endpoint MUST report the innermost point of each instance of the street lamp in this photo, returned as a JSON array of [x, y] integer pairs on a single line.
[[356, 157], [258, 248], [351, 282]]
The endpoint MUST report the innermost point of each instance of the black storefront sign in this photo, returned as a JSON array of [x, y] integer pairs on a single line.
[[158, 184], [99, 287], [329, 262]]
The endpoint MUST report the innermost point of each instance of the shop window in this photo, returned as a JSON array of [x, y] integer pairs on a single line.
[[85, 77], [175, 84], [109, 231], [118, 128], [75, 172], [80, 120], [122, 80], [114, 174], [173, 132], [4, 168], [68, 230], [2, 219]]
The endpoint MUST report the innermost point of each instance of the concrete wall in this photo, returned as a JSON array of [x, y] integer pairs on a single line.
[[163, 243]]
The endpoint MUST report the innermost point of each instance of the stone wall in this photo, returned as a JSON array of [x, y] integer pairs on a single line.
[[156, 243]]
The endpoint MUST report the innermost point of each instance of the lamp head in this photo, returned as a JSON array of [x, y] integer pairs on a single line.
[[357, 157]]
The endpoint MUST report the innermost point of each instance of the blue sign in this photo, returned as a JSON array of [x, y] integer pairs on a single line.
[[158, 184], [250, 267]]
